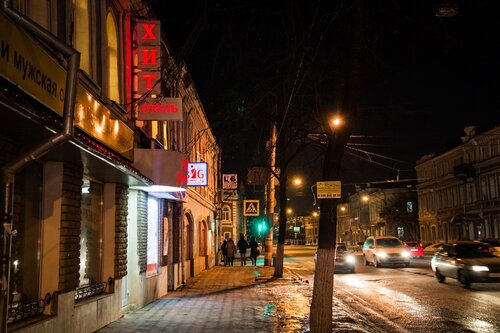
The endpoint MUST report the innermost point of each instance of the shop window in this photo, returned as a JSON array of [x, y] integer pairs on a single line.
[[91, 233], [153, 238], [26, 246], [113, 56], [82, 33]]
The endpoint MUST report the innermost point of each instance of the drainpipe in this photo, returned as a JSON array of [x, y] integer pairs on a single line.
[[183, 246], [8, 171]]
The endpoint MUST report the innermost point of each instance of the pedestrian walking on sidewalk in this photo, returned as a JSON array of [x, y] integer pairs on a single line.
[[254, 250], [231, 250], [223, 248], [242, 248]]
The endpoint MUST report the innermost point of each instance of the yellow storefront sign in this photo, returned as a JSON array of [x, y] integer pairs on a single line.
[[328, 190], [24, 63]]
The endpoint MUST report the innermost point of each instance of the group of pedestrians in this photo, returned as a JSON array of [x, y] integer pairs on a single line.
[[229, 249]]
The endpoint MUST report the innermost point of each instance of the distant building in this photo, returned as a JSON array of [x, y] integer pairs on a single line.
[[459, 190], [378, 210], [230, 214]]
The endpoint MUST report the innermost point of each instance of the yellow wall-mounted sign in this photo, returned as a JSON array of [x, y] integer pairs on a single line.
[[24, 63]]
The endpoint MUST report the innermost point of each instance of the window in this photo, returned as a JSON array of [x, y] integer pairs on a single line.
[[226, 213], [401, 232], [91, 232], [493, 187], [25, 271], [409, 207], [82, 33], [203, 238], [484, 189], [113, 56], [153, 239]]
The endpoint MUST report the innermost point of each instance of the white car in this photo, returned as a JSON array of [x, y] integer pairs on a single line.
[[385, 250]]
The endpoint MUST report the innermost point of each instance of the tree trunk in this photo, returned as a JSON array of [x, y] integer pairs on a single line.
[[321, 307], [280, 249]]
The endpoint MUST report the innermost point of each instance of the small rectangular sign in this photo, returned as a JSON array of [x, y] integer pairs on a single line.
[[230, 181], [197, 174], [251, 207], [160, 109], [328, 190]]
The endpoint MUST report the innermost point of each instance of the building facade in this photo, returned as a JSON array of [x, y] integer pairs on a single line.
[[378, 209], [458, 190], [99, 217]]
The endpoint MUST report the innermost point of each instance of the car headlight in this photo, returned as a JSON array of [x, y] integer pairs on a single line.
[[405, 254], [480, 269], [382, 254], [350, 259]]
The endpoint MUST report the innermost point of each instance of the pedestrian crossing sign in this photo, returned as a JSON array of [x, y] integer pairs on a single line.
[[251, 207]]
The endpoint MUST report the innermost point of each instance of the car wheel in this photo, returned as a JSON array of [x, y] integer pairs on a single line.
[[463, 279], [440, 277], [365, 261], [375, 262]]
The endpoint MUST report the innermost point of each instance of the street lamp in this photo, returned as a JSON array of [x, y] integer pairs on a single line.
[[297, 182], [365, 198]]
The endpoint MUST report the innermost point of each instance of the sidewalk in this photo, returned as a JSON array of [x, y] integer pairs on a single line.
[[221, 299]]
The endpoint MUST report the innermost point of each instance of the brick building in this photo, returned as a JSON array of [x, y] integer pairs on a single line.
[[94, 197]]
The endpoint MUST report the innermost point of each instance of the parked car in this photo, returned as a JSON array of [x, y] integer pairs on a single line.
[[468, 262], [415, 248], [431, 249], [345, 261], [385, 250]]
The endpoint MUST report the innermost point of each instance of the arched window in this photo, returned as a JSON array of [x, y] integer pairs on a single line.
[[82, 33], [226, 213], [113, 56]]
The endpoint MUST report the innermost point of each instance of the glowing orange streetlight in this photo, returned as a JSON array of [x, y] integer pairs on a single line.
[[342, 208], [337, 121], [297, 181], [289, 211], [365, 198], [315, 214]]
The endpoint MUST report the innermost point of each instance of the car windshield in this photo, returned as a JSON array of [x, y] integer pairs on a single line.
[[389, 242], [475, 251], [341, 248], [412, 244]]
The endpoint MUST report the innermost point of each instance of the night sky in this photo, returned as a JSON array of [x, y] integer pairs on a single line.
[[424, 78]]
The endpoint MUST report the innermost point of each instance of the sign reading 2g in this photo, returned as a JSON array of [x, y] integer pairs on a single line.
[[197, 174]]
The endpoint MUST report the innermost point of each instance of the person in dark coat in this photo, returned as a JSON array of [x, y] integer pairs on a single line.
[[231, 250], [254, 250], [242, 248], [223, 248]]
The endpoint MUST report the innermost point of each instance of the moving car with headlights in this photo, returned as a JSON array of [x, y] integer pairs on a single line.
[[415, 248], [385, 250], [468, 262], [344, 259]]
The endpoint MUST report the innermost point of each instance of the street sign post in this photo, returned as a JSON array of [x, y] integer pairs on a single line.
[[251, 207], [328, 190]]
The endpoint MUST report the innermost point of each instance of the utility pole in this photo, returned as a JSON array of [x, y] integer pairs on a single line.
[[271, 199]]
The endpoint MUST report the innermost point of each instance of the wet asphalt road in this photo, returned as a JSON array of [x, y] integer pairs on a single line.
[[406, 299]]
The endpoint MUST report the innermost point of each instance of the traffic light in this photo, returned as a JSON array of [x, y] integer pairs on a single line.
[[261, 226]]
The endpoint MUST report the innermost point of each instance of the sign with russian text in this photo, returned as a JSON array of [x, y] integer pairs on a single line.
[[197, 174], [251, 207], [328, 190], [161, 109], [24, 63], [230, 181]]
